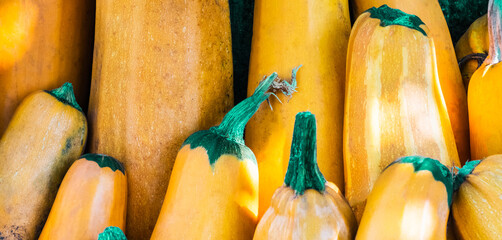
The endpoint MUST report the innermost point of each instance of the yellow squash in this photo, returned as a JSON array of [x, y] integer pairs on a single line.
[[472, 48], [306, 206], [43, 43], [410, 201], [485, 90], [393, 103], [162, 70], [92, 196], [477, 204], [314, 34], [454, 92], [46, 134], [213, 190]]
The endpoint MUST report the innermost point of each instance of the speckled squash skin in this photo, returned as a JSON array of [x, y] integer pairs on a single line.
[[474, 40], [485, 88], [450, 78], [306, 206], [393, 104], [42, 140], [44, 43], [92, 196], [477, 203], [313, 34], [162, 70], [410, 200]]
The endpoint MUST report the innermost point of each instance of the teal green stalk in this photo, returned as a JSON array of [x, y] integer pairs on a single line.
[[463, 172], [105, 161], [303, 172], [391, 16], [228, 137], [112, 233], [65, 95]]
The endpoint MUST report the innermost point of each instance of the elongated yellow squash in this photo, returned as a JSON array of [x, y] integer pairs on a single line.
[[314, 34], [393, 103], [43, 44], [46, 134], [162, 70]]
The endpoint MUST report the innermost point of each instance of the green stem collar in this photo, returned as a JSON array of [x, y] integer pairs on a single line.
[[303, 172], [463, 172], [392, 16], [105, 161], [65, 95]]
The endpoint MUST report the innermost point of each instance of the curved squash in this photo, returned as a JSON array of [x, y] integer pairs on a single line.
[[99, 202], [316, 37], [162, 70], [213, 190], [393, 103], [450, 78], [295, 210], [477, 204], [43, 43], [472, 48], [46, 134], [410, 200], [485, 87]]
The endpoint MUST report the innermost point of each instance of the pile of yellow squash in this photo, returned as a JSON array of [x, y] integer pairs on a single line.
[[377, 128]]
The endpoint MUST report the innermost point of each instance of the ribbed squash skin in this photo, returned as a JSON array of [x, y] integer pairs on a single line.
[[393, 105], [316, 37], [485, 88], [90, 198], [450, 78], [406, 204], [162, 70], [42, 45], [477, 204], [474, 40], [306, 206], [42, 140]]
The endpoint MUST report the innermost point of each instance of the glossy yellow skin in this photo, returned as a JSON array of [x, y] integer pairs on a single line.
[[162, 71], [393, 105], [43, 44], [450, 78], [42, 140], [474, 40], [313, 215], [405, 204], [89, 199], [477, 204], [485, 113], [18, 23], [287, 34], [209, 202]]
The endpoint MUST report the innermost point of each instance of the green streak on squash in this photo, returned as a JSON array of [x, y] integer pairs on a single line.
[[105, 161], [391, 16], [65, 95], [112, 233], [303, 172], [228, 137], [439, 171], [463, 172]]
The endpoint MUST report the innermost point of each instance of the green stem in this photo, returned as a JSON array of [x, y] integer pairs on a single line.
[[105, 161], [303, 172], [392, 16], [65, 95], [234, 122], [463, 172], [494, 31]]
